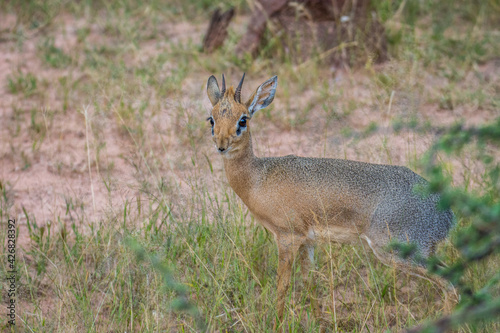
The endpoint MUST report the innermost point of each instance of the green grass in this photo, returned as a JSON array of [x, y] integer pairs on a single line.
[[173, 249], [227, 265], [52, 55], [22, 83]]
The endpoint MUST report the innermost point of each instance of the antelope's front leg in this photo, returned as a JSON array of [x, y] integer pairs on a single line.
[[306, 254], [288, 247]]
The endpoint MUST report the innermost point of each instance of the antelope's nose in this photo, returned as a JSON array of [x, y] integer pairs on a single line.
[[221, 149]]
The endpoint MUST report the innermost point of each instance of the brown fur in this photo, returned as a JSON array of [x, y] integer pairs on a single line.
[[305, 200]]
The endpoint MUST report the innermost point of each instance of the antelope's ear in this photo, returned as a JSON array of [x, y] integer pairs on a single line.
[[263, 96], [213, 90]]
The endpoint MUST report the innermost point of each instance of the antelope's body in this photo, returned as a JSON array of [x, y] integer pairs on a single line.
[[305, 200]]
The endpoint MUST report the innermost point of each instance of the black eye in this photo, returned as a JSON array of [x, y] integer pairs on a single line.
[[243, 122], [211, 120]]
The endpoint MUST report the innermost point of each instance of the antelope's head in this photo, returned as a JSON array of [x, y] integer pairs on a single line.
[[230, 117]]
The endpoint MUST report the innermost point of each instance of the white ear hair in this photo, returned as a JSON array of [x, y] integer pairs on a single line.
[[264, 95]]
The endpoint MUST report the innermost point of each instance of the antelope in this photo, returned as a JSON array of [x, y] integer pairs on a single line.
[[305, 200]]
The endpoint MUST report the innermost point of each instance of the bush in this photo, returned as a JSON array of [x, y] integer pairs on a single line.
[[479, 240]]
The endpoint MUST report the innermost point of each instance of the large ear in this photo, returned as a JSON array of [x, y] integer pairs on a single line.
[[263, 96], [213, 91]]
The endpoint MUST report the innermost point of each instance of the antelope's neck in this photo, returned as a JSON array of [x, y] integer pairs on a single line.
[[240, 170]]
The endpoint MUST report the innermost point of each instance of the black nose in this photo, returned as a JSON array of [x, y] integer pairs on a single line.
[[221, 149]]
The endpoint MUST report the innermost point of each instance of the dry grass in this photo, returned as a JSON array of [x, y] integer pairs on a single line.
[[106, 152]]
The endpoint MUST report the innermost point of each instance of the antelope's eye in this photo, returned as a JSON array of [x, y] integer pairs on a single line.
[[243, 122], [211, 120]]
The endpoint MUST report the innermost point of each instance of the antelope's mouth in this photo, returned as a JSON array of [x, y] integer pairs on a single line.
[[223, 151]]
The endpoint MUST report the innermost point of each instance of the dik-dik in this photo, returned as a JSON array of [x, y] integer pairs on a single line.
[[303, 200]]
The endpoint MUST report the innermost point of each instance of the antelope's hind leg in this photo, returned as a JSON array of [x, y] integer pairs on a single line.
[[405, 265]]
